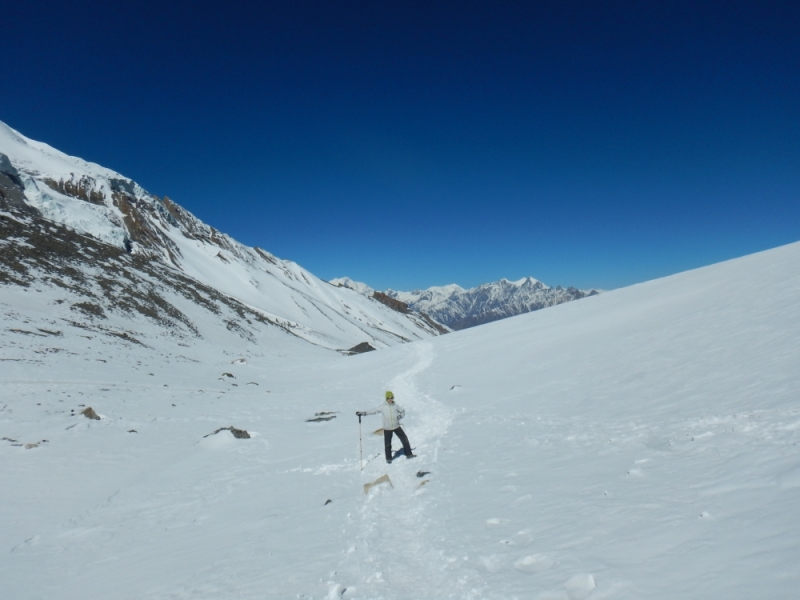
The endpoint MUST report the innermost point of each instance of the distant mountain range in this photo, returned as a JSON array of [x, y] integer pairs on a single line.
[[458, 308], [112, 258], [120, 257]]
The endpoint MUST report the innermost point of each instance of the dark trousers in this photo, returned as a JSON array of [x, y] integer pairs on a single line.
[[387, 441]]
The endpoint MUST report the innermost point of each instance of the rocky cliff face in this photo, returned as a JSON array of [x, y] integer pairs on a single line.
[[112, 248]]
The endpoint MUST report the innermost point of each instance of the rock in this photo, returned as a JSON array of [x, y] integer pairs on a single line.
[[89, 413], [318, 419], [322, 416], [392, 303], [360, 348], [240, 434]]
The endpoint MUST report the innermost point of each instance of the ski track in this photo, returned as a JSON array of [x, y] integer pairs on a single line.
[[394, 548]]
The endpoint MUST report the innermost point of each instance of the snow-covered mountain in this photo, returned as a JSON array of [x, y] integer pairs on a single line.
[[346, 282], [458, 308], [642, 443], [112, 248]]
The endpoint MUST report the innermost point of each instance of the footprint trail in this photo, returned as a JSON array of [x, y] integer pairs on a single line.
[[395, 548]]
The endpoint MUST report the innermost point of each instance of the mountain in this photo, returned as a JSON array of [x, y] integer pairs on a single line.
[[458, 308], [346, 282], [642, 443], [120, 256]]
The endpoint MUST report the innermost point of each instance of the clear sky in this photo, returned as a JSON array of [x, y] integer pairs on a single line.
[[415, 143]]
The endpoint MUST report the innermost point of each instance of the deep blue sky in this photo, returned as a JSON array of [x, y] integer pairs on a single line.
[[409, 144]]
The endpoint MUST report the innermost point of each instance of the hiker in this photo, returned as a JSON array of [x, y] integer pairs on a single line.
[[392, 413]]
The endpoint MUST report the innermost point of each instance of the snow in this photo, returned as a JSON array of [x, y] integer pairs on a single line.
[[433, 295], [41, 158], [281, 290], [101, 222], [642, 443], [37, 160], [322, 313], [346, 282], [458, 308], [520, 282]]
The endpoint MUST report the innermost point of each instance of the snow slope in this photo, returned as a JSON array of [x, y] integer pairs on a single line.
[[642, 443], [105, 206]]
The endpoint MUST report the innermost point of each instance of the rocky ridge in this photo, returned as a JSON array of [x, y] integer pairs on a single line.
[[111, 248]]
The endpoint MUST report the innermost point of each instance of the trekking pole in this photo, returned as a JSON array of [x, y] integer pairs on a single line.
[[360, 449]]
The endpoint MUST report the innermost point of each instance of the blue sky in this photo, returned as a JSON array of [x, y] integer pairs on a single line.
[[408, 144]]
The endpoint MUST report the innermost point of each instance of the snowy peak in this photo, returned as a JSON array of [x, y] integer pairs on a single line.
[[97, 201], [41, 158], [100, 205], [431, 294], [396, 304], [458, 308], [530, 281], [346, 282]]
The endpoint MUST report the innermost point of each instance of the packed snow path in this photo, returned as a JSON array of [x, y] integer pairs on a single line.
[[395, 541]]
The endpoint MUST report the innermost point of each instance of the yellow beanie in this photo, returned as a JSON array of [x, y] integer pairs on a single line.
[[389, 395]]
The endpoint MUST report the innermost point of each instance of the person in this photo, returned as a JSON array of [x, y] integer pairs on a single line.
[[392, 413]]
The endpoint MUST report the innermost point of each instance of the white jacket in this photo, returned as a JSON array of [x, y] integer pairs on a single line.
[[392, 413]]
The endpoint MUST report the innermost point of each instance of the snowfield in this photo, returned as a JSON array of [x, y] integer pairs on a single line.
[[642, 443]]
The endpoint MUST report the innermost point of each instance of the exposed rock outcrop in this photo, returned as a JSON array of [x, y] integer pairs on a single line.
[[239, 434]]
